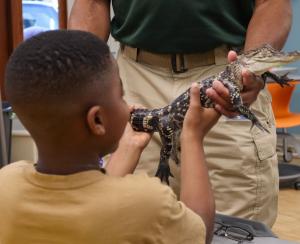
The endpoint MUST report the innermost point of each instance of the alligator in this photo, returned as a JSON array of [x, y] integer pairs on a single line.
[[168, 121]]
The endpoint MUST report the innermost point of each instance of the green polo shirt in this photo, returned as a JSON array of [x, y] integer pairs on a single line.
[[181, 26]]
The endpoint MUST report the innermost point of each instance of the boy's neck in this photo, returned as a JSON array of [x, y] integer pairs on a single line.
[[64, 166]]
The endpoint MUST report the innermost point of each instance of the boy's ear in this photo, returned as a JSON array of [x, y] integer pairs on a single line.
[[95, 120]]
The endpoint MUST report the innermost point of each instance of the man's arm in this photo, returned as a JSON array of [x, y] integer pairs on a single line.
[[275, 15], [268, 15], [92, 16]]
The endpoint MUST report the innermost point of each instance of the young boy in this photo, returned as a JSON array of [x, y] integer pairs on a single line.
[[65, 88]]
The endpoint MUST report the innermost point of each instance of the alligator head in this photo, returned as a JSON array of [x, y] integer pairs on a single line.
[[266, 57]]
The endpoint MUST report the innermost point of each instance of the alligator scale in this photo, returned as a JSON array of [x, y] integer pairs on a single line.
[[168, 121]]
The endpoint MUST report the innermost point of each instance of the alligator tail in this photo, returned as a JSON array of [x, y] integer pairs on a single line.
[[144, 120]]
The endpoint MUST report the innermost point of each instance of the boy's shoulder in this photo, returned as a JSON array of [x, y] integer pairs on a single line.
[[14, 168], [144, 196], [145, 185], [142, 189], [13, 174], [154, 207]]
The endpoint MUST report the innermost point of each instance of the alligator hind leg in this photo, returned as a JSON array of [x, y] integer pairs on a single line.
[[163, 171], [176, 146], [281, 80], [251, 116]]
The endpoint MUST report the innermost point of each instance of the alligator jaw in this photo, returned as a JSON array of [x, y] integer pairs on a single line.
[[266, 58]]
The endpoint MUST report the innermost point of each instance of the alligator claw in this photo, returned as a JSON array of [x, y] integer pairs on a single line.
[[281, 80], [260, 126], [163, 172], [284, 80], [245, 111]]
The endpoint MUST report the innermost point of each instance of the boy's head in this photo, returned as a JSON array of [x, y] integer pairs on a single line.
[[64, 86]]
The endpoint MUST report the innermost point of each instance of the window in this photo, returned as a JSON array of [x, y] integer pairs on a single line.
[[39, 16]]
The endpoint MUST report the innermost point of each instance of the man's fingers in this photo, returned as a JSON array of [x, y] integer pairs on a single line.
[[220, 95], [250, 80], [218, 99], [221, 90], [215, 96], [225, 112], [248, 97], [248, 77]]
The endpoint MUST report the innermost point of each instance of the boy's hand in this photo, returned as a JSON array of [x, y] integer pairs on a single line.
[[198, 120], [125, 159], [131, 139], [196, 192], [134, 139], [220, 94]]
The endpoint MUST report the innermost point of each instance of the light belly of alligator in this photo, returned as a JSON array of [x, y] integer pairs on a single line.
[[168, 121]]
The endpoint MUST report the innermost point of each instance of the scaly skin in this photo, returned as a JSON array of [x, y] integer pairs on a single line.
[[168, 121]]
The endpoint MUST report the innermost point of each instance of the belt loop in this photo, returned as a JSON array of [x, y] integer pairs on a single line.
[[130, 52], [178, 63], [221, 55]]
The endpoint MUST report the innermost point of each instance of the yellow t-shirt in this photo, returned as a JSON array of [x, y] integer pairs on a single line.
[[90, 207]]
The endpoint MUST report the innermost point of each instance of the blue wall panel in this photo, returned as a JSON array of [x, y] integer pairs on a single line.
[[293, 43]]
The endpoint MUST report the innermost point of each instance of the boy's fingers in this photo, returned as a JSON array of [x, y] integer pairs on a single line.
[[131, 108], [135, 106], [213, 114], [195, 95], [231, 56]]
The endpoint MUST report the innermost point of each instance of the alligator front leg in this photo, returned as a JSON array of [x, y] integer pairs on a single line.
[[281, 80]]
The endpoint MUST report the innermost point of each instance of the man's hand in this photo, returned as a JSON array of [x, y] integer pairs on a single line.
[[220, 95]]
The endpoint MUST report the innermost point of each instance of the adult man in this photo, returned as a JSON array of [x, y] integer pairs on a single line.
[[165, 45]]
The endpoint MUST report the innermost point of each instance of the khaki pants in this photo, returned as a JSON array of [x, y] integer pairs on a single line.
[[242, 160]]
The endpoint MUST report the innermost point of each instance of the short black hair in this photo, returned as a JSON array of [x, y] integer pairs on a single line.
[[54, 65]]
